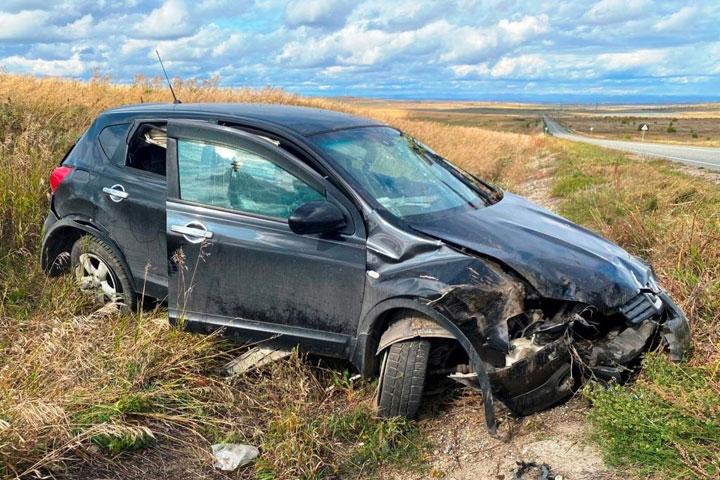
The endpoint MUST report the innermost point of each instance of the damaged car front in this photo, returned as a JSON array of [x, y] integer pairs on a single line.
[[537, 303]]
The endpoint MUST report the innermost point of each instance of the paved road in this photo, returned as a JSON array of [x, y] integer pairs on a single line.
[[706, 157]]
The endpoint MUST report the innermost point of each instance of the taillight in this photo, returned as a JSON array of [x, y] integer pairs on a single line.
[[57, 176]]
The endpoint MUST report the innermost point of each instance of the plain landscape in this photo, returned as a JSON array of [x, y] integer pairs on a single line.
[[695, 124], [88, 393]]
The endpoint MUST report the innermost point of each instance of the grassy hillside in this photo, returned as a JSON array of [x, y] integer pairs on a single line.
[[78, 387]]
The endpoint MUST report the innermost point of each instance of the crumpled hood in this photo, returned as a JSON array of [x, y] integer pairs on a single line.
[[559, 258]]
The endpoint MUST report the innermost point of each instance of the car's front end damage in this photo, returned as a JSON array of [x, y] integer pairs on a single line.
[[539, 355], [544, 303]]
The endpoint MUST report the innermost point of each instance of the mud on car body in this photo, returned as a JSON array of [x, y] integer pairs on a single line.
[[304, 227]]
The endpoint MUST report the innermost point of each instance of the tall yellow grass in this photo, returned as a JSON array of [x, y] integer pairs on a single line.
[[79, 103]]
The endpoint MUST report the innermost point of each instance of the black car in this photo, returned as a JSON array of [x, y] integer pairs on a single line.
[[348, 238]]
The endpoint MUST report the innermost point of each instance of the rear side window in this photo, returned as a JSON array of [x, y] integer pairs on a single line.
[[147, 148], [240, 180], [111, 137]]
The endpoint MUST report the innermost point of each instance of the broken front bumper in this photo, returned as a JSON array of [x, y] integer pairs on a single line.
[[675, 330], [547, 376]]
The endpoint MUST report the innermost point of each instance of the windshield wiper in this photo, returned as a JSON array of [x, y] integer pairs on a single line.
[[493, 195]]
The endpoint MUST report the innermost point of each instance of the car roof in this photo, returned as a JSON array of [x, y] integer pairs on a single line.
[[302, 120]]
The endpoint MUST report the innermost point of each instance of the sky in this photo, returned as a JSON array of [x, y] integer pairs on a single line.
[[417, 49]]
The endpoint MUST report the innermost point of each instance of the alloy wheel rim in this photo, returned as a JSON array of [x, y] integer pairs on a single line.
[[96, 278]]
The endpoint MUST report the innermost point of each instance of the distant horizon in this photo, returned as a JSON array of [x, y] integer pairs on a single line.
[[550, 99], [568, 99]]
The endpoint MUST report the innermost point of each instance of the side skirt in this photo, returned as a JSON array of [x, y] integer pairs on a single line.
[[268, 334]]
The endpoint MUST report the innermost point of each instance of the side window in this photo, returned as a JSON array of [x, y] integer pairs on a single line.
[[237, 179], [147, 148], [111, 137]]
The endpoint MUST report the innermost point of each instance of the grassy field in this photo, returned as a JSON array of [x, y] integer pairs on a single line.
[[82, 391], [682, 124]]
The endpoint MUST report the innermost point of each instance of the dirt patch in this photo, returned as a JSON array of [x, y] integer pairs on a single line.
[[708, 175], [464, 450], [539, 183]]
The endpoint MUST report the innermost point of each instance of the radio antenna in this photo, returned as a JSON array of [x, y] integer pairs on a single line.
[[175, 99]]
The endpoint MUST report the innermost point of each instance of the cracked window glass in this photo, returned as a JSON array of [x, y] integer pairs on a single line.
[[237, 179], [398, 172]]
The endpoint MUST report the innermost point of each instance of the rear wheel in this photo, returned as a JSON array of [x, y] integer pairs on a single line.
[[403, 378], [100, 273]]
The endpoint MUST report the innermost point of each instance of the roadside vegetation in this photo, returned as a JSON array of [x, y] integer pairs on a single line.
[[668, 422], [697, 127], [80, 388]]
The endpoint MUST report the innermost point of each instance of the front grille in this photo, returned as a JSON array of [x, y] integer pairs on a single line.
[[641, 307]]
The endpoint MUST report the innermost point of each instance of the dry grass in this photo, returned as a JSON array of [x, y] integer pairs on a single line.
[[693, 128]]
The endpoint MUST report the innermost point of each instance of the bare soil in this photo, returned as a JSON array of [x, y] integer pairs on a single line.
[[537, 186], [464, 450]]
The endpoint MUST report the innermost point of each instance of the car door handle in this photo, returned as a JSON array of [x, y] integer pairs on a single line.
[[117, 192], [194, 232]]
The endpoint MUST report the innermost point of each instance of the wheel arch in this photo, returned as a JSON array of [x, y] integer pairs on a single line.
[[377, 320], [62, 236]]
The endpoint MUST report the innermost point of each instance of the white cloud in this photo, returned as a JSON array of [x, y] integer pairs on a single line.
[[678, 20], [80, 28], [470, 45], [614, 11], [524, 66], [480, 70], [170, 20], [317, 13], [73, 66], [404, 14], [526, 28], [23, 25], [630, 60], [357, 45]]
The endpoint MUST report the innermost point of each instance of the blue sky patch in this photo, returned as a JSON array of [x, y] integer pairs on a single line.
[[453, 49]]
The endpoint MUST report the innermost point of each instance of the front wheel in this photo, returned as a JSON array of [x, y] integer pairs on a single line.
[[100, 273], [403, 378]]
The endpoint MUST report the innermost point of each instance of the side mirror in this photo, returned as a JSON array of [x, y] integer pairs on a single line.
[[316, 217]]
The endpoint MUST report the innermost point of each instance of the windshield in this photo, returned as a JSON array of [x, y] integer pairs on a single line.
[[399, 173]]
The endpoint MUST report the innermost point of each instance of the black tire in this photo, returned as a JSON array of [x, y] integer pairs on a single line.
[[120, 277], [403, 378]]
